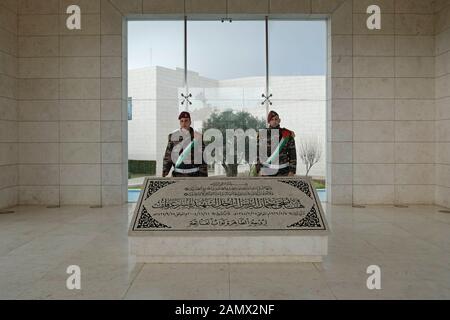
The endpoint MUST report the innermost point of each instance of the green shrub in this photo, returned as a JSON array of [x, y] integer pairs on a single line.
[[319, 184], [139, 168]]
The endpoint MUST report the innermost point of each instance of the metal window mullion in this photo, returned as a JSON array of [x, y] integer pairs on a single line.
[[186, 95], [267, 56], [185, 56], [267, 95]]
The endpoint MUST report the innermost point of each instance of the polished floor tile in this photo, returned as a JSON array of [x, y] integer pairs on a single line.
[[181, 281], [410, 245], [278, 281]]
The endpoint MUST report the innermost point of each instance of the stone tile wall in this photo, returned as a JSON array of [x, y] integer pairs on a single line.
[[442, 91], [381, 117], [8, 104], [388, 105], [71, 133]]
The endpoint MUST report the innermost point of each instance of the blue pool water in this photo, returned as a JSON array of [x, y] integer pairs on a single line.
[[133, 195], [322, 193]]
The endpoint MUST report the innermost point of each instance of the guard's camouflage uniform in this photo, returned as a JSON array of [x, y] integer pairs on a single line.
[[184, 169], [287, 158]]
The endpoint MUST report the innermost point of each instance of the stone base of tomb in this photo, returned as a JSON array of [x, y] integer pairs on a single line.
[[205, 248], [222, 220]]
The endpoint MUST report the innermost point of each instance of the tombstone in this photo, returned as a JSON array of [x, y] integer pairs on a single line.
[[277, 219]]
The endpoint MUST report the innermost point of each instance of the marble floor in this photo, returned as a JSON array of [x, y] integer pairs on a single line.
[[410, 245]]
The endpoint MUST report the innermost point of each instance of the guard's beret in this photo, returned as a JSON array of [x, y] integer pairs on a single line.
[[271, 115], [184, 114]]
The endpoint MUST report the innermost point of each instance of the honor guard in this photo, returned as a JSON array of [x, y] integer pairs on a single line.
[[184, 151], [281, 159]]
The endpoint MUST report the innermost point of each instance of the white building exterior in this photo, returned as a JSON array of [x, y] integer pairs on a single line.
[[156, 92]]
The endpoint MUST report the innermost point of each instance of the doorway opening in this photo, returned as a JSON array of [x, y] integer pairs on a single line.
[[233, 73]]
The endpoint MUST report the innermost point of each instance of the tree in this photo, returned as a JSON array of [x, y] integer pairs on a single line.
[[230, 119], [310, 152]]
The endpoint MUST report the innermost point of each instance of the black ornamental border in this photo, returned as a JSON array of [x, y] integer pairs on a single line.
[[311, 215]]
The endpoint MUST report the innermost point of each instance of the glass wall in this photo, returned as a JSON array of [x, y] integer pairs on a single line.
[[226, 76], [226, 64], [297, 82], [155, 75]]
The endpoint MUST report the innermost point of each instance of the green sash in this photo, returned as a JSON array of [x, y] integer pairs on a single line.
[[277, 150], [185, 153]]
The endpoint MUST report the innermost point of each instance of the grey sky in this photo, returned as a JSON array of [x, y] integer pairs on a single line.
[[230, 50]]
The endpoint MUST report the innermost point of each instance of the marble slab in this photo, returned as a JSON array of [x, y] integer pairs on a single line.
[[218, 204], [228, 220]]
